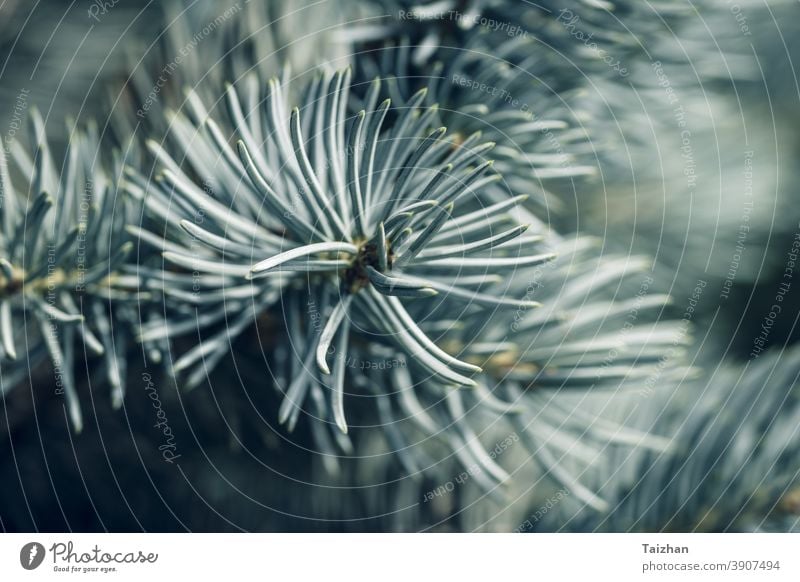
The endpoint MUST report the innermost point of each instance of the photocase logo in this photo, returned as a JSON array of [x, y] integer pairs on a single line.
[[31, 555]]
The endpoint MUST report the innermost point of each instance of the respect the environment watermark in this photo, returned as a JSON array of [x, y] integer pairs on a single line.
[[169, 69]]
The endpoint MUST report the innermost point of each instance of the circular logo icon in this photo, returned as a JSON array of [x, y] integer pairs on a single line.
[[31, 555]]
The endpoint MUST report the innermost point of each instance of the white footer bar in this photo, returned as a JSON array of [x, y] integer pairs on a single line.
[[400, 557]]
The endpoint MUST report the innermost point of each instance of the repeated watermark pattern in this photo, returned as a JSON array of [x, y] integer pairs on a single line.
[[679, 114], [551, 502], [465, 21], [741, 20], [571, 21], [762, 339], [472, 470], [502, 94], [744, 226], [168, 448], [679, 338], [14, 125], [100, 8], [169, 69], [631, 317]]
